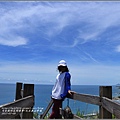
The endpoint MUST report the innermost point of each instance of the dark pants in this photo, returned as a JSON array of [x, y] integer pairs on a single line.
[[57, 104]]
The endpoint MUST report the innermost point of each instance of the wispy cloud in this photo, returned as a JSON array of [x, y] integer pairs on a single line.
[[95, 19], [95, 74], [118, 48], [46, 74], [10, 41], [93, 59], [14, 71], [83, 32]]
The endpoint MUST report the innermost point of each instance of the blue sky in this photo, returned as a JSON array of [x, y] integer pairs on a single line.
[[35, 36]]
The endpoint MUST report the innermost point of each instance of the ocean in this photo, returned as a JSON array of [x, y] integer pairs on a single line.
[[43, 96]]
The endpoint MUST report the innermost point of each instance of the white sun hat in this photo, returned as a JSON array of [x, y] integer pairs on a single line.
[[62, 63]]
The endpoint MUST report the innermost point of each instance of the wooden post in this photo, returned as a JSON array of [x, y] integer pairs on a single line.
[[105, 91], [28, 90], [18, 91], [18, 95]]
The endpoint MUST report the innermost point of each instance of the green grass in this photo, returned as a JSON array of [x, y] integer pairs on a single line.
[[82, 113]]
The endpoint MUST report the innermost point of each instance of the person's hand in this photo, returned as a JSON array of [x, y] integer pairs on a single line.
[[70, 92]]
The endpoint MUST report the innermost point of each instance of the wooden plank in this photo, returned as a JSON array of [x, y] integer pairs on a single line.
[[92, 99], [76, 117], [111, 106], [23, 102], [18, 95], [18, 91], [8, 110], [105, 91], [47, 109], [28, 90]]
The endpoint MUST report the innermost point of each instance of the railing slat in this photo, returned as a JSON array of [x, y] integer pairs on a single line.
[[92, 99], [111, 106], [20, 104], [47, 109]]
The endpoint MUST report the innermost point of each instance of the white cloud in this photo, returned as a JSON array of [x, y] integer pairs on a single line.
[[91, 19], [28, 72], [16, 67], [16, 41], [95, 16], [117, 49], [46, 73], [93, 59], [95, 74]]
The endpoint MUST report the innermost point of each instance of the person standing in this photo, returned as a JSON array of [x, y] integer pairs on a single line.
[[61, 88]]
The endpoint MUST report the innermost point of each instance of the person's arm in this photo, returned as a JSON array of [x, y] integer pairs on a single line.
[[67, 81], [67, 85]]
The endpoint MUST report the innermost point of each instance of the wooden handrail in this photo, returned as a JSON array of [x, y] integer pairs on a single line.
[[108, 104], [17, 106], [92, 99], [111, 106]]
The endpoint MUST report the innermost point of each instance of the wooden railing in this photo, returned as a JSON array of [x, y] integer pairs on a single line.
[[23, 104], [11, 110], [111, 106], [107, 106], [92, 99]]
